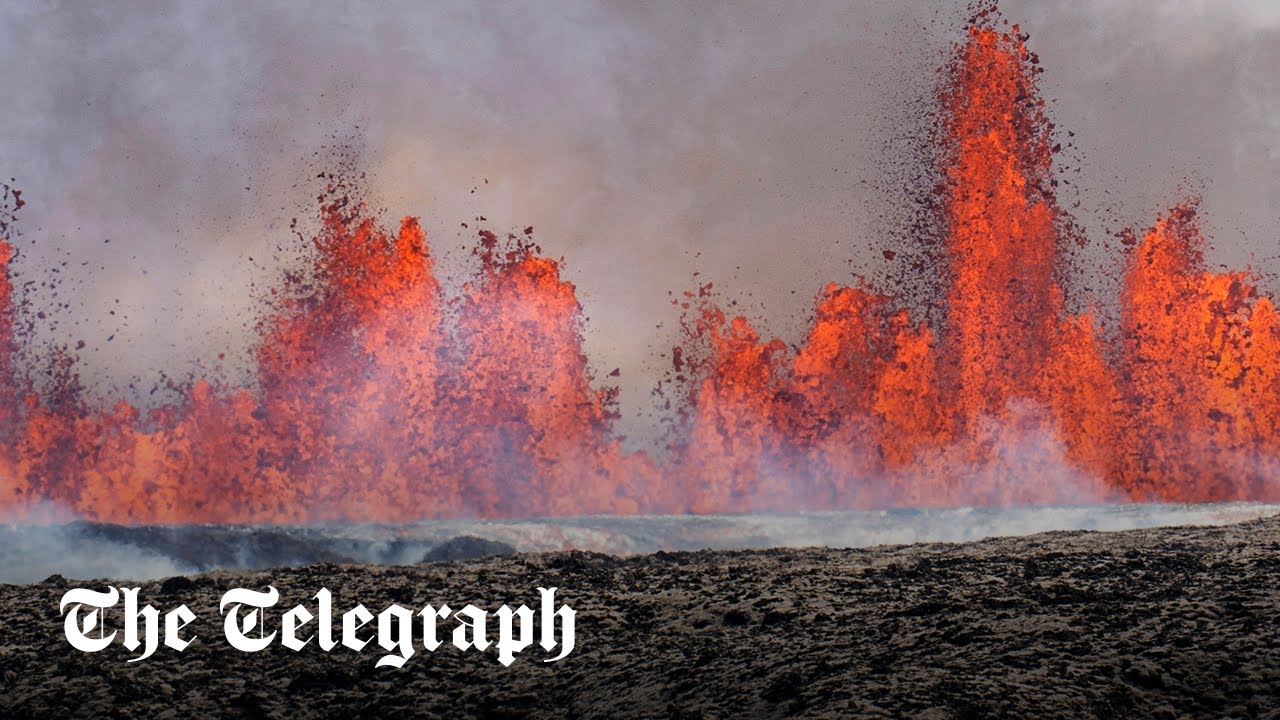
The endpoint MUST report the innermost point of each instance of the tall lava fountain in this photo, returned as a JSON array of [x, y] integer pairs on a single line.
[[379, 396]]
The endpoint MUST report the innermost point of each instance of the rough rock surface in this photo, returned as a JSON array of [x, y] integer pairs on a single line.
[[467, 547], [1177, 622]]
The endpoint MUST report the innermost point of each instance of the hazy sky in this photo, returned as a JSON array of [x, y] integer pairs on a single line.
[[768, 145]]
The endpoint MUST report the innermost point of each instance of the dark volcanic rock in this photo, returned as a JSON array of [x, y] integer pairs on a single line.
[[206, 547], [170, 586], [467, 547], [1174, 622]]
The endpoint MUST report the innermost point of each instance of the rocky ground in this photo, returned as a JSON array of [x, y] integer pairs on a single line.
[[1174, 622]]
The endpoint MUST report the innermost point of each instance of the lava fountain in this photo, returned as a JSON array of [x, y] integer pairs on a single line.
[[380, 397]]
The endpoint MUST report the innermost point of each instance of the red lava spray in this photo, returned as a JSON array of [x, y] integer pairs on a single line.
[[379, 398]]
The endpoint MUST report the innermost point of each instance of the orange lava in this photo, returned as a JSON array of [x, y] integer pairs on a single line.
[[378, 397]]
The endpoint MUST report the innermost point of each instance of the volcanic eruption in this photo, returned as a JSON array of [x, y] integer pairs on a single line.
[[380, 396]]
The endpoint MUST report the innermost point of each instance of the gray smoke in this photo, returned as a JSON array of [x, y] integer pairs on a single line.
[[768, 146], [79, 550]]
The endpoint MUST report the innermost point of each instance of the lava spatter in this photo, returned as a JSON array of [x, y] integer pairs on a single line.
[[380, 396]]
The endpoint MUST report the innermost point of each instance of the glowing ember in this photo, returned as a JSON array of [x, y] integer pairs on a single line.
[[380, 398]]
